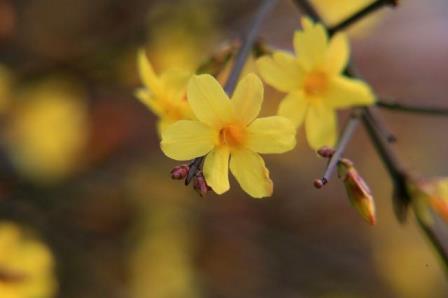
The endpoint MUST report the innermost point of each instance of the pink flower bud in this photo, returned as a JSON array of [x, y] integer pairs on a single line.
[[200, 185], [180, 172], [358, 192], [326, 152]]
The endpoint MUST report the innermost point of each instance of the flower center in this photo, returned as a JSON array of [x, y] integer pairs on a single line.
[[232, 135], [316, 83]]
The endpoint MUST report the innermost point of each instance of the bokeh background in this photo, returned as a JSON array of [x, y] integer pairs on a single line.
[[81, 171]]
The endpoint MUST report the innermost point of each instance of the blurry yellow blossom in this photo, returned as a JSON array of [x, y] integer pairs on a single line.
[[5, 88], [227, 129], [315, 82], [430, 194], [164, 95], [26, 265], [48, 130], [180, 35], [334, 12]]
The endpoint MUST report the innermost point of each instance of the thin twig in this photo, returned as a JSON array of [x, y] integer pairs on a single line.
[[353, 19], [240, 60], [345, 138], [395, 106], [374, 117]]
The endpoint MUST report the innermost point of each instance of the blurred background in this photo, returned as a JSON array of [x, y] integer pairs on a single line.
[[87, 206]]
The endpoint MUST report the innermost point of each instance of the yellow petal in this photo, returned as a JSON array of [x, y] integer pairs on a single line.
[[187, 139], [249, 170], [216, 169], [147, 74], [147, 99], [275, 74], [320, 126], [294, 107], [274, 134], [442, 188], [310, 44], [345, 92], [209, 102], [247, 98], [338, 54], [289, 64], [175, 80]]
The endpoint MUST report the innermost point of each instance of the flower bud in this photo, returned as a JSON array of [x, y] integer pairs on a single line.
[[358, 192], [326, 152], [180, 172], [200, 185], [430, 193]]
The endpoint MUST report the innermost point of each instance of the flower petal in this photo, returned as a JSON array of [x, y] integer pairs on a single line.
[[274, 72], [216, 169], [338, 54], [148, 99], [310, 44], [274, 134], [247, 98], [187, 139], [209, 102], [249, 170], [294, 107], [345, 92], [320, 126], [147, 74], [175, 80]]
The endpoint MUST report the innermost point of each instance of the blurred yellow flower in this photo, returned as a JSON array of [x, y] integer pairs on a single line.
[[431, 193], [26, 265], [164, 95], [5, 88], [336, 11], [315, 82], [227, 129], [48, 130], [181, 35]]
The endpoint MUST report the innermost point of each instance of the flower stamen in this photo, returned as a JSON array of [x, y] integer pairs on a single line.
[[316, 83], [232, 135]]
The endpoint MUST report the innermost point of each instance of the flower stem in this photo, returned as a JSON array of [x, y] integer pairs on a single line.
[[248, 43], [369, 9], [345, 138], [395, 106], [246, 48]]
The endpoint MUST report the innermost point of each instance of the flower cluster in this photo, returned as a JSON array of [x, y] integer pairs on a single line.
[[228, 133]]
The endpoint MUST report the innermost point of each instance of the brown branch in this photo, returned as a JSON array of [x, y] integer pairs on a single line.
[[400, 107], [356, 17]]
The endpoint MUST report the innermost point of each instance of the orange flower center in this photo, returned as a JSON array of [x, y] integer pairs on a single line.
[[316, 83], [232, 135]]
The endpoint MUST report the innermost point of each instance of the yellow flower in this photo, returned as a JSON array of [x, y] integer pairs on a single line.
[[315, 82], [227, 129], [164, 95], [336, 11], [26, 265], [48, 130]]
